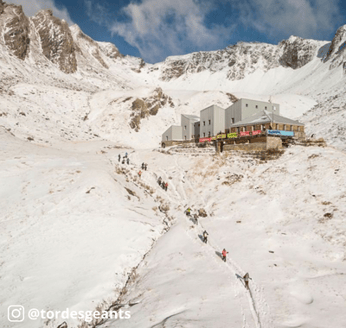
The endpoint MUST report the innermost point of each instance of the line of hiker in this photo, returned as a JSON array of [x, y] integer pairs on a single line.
[[193, 217], [223, 253], [144, 166], [162, 184], [125, 159]]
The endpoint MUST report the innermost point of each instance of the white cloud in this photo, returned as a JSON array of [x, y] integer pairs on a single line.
[[31, 7], [158, 28], [304, 18]]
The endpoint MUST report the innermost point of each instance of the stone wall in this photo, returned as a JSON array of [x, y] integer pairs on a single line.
[[255, 144], [274, 143], [175, 142], [258, 146]]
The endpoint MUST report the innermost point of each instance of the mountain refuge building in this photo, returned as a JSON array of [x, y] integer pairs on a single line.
[[248, 119]]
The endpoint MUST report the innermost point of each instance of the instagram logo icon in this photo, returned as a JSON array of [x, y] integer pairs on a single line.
[[15, 313]]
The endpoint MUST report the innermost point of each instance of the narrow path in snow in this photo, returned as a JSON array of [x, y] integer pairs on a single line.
[[230, 264], [254, 295]]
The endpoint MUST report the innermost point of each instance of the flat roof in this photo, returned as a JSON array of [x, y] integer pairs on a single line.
[[191, 117]]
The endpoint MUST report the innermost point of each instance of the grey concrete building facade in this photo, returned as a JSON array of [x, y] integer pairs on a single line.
[[188, 126], [244, 108], [174, 132], [212, 121], [197, 133]]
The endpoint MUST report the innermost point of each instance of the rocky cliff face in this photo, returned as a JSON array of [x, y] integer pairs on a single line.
[[296, 52], [15, 27], [337, 53], [56, 40]]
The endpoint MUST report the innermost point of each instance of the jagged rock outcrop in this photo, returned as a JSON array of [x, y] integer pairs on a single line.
[[338, 43], [110, 50], [15, 27], [297, 52], [56, 40], [144, 107], [337, 50]]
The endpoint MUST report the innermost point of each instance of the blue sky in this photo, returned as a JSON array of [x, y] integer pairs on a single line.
[[155, 29]]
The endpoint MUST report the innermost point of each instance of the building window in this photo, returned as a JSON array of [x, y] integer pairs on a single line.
[[238, 129], [203, 134], [256, 106], [185, 137], [232, 120], [291, 129], [209, 134], [203, 123], [185, 127], [274, 107], [199, 124], [265, 107], [209, 122], [284, 127], [246, 105], [253, 128], [166, 138], [261, 127]]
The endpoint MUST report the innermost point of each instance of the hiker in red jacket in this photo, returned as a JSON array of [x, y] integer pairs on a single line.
[[224, 253], [139, 174], [166, 186]]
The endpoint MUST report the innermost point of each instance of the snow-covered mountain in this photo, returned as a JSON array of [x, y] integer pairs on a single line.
[[42, 53], [81, 230]]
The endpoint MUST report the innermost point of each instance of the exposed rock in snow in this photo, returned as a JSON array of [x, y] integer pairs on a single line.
[[148, 106], [297, 52], [56, 40], [15, 29]]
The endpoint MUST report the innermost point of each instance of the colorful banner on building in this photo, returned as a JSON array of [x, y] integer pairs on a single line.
[[244, 133], [256, 132], [232, 135], [280, 133], [221, 136], [204, 139]]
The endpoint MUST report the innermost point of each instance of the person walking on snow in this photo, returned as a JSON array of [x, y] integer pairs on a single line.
[[246, 280], [188, 211], [145, 166], [205, 236], [125, 154], [224, 253], [128, 161], [166, 186], [140, 173], [119, 158], [159, 180], [142, 166], [195, 216]]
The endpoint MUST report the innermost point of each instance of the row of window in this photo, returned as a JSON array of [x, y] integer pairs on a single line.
[[265, 107]]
